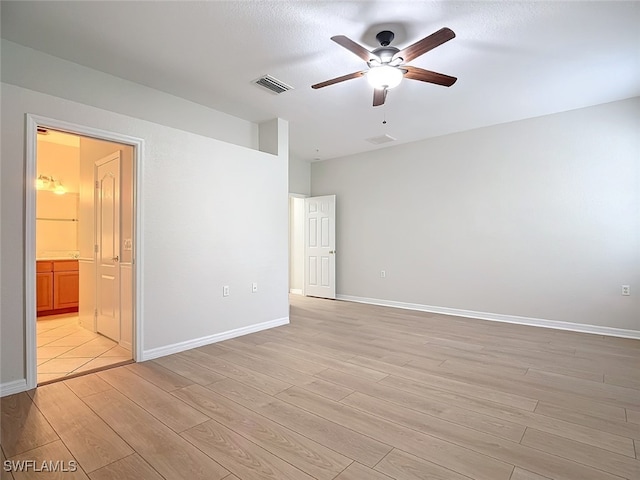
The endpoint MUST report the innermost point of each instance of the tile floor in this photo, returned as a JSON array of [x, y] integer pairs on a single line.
[[65, 348]]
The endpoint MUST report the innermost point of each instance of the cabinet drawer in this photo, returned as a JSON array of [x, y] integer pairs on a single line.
[[65, 266], [44, 266]]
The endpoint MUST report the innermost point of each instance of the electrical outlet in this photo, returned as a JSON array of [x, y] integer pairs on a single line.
[[225, 291], [383, 274], [626, 290], [254, 287]]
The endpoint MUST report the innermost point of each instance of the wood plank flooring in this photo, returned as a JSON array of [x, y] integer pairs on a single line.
[[348, 392]]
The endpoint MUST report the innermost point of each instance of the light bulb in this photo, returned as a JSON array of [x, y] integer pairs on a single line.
[[384, 76], [59, 189]]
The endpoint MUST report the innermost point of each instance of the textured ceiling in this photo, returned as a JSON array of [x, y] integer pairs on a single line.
[[513, 60]]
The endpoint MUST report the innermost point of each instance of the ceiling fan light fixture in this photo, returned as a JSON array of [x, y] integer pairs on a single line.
[[387, 64], [384, 76]]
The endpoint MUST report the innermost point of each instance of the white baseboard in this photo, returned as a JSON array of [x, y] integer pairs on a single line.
[[218, 337], [498, 317], [17, 386], [9, 388], [297, 291]]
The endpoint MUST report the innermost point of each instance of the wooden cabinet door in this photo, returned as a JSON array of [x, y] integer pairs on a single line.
[[44, 291], [65, 289]]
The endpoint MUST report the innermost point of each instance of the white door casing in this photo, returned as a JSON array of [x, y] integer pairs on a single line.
[[320, 246], [32, 124], [296, 244], [108, 246]]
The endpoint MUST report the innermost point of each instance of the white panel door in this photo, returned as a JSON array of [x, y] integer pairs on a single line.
[[108, 246], [320, 246]]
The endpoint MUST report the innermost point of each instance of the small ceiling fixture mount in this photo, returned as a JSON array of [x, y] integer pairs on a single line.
[[385, 37], [381, 139]]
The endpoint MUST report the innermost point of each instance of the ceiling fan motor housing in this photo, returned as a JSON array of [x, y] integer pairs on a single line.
[[385, 54]]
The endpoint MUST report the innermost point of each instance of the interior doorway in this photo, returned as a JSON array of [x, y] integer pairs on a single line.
[[296, 244], [75, 199], [312, 245], [320, 246]]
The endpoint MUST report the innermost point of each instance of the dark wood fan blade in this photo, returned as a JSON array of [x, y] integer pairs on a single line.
[[353, 47], [379, 96], [338, 79], [428, 43], [415, 73]]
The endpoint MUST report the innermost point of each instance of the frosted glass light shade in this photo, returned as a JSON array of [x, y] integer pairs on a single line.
[[59, 189], [43, 182], [384, 76]]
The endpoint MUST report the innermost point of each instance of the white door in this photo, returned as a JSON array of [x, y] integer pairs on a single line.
[[320, 246], [107, 176]]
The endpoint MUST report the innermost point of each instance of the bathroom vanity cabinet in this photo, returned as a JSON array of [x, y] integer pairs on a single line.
[[57, 284]]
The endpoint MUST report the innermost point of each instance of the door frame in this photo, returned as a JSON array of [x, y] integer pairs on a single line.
[[292, 230], [32, 124], [331, 253]]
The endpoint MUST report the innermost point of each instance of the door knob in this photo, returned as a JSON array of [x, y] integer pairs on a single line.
[[331, 252], [116, 258]]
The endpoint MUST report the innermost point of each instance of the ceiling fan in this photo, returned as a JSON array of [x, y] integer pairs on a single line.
[[387, 64]]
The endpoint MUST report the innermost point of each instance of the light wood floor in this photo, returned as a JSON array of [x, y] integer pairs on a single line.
[[348, 392]]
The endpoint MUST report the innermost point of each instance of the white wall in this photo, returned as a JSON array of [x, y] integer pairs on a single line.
[[268, 136], [45, 73], [59, 161], [56, 224], [62, 162], [299, 176], [538, 218], [214, 214]]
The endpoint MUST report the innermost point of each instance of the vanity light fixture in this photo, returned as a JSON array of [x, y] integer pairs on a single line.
[[59, 189], [47, 182], [42, 182]]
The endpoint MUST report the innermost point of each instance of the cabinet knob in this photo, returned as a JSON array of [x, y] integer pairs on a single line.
[[116, 258]]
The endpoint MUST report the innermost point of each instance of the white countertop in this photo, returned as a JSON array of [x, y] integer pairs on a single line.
[[50, 259], [50, 255]]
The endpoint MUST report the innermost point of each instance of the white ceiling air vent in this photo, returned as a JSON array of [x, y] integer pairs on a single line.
[[273, 84], [381, 139]]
